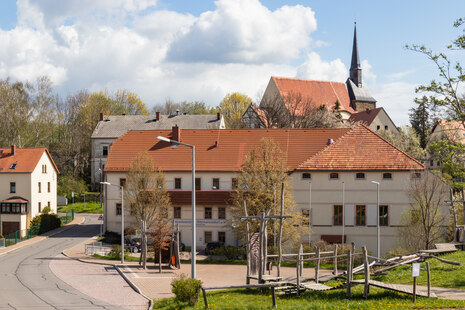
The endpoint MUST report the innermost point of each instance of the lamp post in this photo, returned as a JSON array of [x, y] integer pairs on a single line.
[[343, 215], [193, 246], [309, 214], [122, 217], [377, 217]]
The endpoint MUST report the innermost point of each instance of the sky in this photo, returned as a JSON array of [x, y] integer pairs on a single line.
[[201, 50]]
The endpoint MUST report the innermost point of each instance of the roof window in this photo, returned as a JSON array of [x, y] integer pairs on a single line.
[[13, 166]]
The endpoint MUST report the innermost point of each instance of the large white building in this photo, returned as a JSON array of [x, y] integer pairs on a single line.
[[325, 157], [28, 184]]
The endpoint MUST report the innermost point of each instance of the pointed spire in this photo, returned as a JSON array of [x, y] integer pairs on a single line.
[[355, 69]]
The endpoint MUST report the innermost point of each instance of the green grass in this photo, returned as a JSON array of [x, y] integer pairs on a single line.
[[253, 299], [442, 274], [91, 207]]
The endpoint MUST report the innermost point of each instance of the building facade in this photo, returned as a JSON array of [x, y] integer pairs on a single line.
[[28, 184]]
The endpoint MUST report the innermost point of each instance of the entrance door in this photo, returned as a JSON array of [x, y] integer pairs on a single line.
[[10, 227]]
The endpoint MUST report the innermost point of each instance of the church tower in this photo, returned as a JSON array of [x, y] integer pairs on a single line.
[[360, 97]]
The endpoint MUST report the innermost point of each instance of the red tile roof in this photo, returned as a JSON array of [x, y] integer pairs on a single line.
[[297, 145], [361, 149], [16, 199], [216, 197], [319, 92], [305, 149], [26, 159], [366, 117], [453, 130]]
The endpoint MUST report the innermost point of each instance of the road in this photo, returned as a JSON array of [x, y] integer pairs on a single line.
[[27, 282]]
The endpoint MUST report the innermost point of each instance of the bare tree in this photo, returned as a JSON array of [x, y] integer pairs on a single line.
[[160, 237], [146, 194], [424, 223]]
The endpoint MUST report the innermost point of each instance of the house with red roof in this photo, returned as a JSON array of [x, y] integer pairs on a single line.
[[376, 119], [321, 164], [28, 183]]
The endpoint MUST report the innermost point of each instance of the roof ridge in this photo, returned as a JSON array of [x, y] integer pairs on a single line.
[[310, 80]]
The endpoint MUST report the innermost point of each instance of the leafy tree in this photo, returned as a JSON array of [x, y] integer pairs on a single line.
[[232, 107], [146, 195], [67, 183], [406, 140], [422, 225], [420, 120], [259, 185]]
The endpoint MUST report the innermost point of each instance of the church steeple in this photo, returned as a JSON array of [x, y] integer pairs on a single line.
[[355, 69]]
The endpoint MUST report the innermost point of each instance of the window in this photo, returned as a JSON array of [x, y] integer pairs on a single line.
[[105, 150], [385, 127], [207, 236], [305, 217], [334, 176], [360, 176], [216, 183], [383, 216], [306, 176], [431, 163], [40, 207], [378, 127], [387, 176], [198, 184], [208, 213], [12, 187], [40, 187], [221, 213], [177, 212], [177, 183], [118, 209], [48, 204], [222, 236], [48, 187], [122, 182], [337, 215], [44, 168], [234, 183], [360, 216], [416, 175]]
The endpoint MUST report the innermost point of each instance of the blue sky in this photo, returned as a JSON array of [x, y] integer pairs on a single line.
[[201, 50]]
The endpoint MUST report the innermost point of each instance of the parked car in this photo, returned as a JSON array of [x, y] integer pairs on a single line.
[[132, 245], [211, 246], [182, 246]]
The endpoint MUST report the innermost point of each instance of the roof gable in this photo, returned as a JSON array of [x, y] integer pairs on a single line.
[[361, 149], [26, 159], [319, 93], [366, 117]]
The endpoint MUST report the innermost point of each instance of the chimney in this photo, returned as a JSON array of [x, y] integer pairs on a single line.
[[13, 150], [218, 116], [157, 116], [216, 144], [330, 141], [101, 116], [176, 133]]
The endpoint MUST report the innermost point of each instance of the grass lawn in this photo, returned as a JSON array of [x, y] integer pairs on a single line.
[[442, 274], [91, 207], [378, 299]]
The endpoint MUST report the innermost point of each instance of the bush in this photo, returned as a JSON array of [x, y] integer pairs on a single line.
[[36, 221], [1, 236], [186, 289], [115, 252], [46, 210], [232, 252], [48, 222]]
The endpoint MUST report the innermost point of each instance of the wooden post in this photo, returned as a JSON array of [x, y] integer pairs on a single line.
[[204, 298], [366, 268], [428, 279], [301, 252], [265, 243], [273, 296], [299, 272], [349, 273], [352, 246], [249, 256], [317, 264], [280, 250], [335, 260], [414, 289], [260, 249]]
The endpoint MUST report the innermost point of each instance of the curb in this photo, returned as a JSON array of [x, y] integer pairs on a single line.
[[134, 287]]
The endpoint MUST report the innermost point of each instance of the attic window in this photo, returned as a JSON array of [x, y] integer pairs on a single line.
[[306, 176], [13, 166], [334, 176], [360, 176], [387, 176]]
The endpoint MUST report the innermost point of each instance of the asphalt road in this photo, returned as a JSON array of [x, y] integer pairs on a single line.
[[26, 281]]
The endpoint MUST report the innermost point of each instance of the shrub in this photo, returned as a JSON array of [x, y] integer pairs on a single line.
[[232, 252], [48, 222], [46, 210], [36, 221], [115, 252], [1, 236], [186, 289]]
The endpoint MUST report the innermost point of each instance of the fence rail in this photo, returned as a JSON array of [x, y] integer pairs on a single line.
[[97, 248]]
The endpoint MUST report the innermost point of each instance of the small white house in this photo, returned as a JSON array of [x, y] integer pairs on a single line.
[[28, 184]]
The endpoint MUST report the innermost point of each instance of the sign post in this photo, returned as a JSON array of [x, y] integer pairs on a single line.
[[415, 274]]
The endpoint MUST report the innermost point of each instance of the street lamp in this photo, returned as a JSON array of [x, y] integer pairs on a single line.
[[194, 246], [377, 216], [343, 215], [122, 217]]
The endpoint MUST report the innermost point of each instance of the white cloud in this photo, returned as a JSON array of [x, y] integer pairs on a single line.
[[245, 31], [316, 68], [367, 74]]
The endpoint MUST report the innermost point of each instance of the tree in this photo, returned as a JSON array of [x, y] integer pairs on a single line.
[[420, 120], [423, 224], [259, 185], [146, 195], [232, 107], [160, 237], [406, 140]]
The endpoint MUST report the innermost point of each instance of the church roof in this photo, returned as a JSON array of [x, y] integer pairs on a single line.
[[318, 93], [359, 93]]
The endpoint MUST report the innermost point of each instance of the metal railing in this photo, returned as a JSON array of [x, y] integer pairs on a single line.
[[2, 242], [21, 235], [97, 248], [69, 217]]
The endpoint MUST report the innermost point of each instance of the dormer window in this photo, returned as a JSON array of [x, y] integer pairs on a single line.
[[13, 166]]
